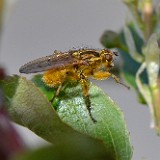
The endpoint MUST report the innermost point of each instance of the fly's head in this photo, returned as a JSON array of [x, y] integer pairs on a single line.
[[107, 56]]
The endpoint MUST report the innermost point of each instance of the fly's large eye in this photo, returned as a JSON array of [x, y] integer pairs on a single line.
[[109, 57]]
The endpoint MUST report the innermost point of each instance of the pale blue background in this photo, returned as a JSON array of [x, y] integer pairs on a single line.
[[37, 28]]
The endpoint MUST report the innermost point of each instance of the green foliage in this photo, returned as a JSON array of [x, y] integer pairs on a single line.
[[70, 125], [138, 43], [68, 150]]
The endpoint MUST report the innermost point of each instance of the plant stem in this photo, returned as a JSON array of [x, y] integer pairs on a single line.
[[147, 15], [156, 106], [137, 17]]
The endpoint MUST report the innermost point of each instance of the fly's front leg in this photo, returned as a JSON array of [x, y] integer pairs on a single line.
[[101, 75], [85, 88], [118, 81]]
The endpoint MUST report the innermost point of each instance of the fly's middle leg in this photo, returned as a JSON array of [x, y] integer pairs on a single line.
[[85, 88]]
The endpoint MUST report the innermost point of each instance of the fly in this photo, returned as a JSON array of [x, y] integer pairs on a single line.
[[74, 65]]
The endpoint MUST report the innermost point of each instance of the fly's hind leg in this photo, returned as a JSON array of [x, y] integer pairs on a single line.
[[85, 87], [57, 93]]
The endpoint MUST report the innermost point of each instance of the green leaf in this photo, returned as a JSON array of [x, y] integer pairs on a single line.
[[131, 44], [129, 69], [9, 86], [136, 37], [133, 58], [74, 148], [30, 108], [110, 126], [110, 39]]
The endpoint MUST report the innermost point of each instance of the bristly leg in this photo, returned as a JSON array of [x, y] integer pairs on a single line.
[[57, 93], [118, 81], [85, 88], [88, 105]]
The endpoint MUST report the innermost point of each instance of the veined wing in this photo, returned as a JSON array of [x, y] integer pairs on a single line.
[[56, 60]]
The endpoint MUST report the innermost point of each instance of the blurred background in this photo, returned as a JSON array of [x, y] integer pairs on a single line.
[[35, 28]]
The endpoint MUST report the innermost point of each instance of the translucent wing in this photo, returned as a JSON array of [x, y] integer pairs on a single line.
[[57, 60]]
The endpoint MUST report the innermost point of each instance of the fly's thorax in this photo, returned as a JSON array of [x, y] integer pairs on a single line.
[[85, 53]]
